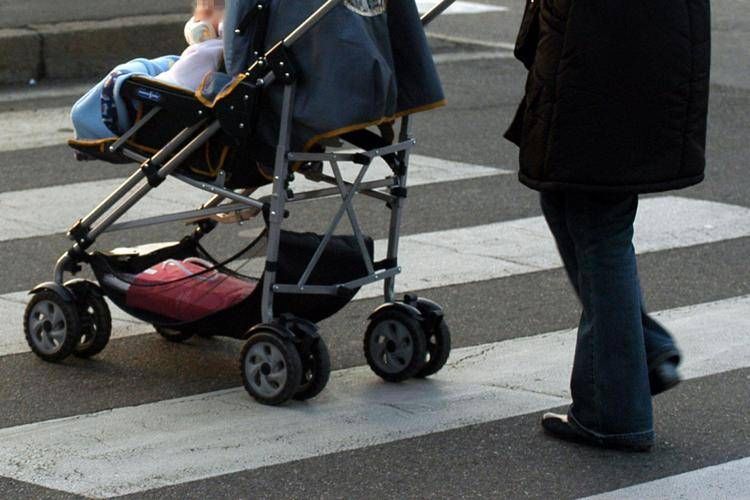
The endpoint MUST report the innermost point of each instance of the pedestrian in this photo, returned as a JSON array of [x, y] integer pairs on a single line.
[[615, 106]]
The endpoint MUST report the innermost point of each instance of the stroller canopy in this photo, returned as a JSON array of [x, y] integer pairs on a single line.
[[365, 63]]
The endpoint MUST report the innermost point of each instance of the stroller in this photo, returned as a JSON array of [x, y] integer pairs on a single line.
[[219, 140]]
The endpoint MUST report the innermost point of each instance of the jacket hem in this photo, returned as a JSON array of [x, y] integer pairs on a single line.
[[655, 187]]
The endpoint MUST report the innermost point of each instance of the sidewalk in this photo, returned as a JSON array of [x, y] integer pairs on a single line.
[[24, 13], [83, 38], [81, 49]]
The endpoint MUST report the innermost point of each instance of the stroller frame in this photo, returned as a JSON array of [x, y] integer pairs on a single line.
[[155, 169]]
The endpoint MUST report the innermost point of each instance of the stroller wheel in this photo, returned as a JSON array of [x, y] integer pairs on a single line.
[[172, 335], [395, 346], [316, 370], [96, 320], [52, 326], [271, 368], [438, 350]]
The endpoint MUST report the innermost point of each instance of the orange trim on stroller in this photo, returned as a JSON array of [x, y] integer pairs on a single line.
[[228, 89], [361, 126]]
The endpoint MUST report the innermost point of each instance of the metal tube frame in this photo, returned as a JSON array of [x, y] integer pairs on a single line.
[[134, 130], [192, 215], [436, 11], [278, 201], [397, 208]]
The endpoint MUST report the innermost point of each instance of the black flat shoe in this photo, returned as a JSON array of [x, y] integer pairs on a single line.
[[664, 377], [560, 427]]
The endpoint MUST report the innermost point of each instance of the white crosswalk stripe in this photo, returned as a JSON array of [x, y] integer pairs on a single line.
[[180, 440], [489, 252], [48, 216], [35, 128], [729, 481], [461, 7]]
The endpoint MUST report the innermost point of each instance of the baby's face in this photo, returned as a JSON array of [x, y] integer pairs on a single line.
[[211, 11]]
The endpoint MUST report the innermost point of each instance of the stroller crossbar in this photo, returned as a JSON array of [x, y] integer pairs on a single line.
[[191, 215], [134, 129]]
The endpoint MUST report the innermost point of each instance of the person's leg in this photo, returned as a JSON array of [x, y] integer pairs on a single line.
[[553, 208], [610, 386], [660, 345], [661, 352], [555, 213]]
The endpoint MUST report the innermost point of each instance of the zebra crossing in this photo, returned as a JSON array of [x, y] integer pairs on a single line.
[[725, 481], [473, 254], [180, 440], [192, 437]]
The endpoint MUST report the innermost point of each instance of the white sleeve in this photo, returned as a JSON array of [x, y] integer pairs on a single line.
[[194, 64]]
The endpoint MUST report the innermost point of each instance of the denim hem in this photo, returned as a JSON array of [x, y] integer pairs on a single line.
[[631, 438]]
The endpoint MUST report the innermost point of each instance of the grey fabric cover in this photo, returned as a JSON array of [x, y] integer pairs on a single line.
[[364, 62]]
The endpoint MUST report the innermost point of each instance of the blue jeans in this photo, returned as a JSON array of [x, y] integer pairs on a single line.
[[617, 339]]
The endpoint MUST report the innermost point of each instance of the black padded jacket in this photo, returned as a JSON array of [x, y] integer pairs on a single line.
[[616, 97]]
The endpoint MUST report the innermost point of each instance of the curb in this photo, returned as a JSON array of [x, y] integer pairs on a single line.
[[84, 49], [20, 55], [90, 49]]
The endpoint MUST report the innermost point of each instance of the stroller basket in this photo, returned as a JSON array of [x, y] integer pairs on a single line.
[[341, 262]]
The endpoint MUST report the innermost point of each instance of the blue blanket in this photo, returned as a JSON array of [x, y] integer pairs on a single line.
[[102, 113]]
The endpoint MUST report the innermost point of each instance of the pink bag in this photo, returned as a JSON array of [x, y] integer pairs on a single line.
[[163, 289]]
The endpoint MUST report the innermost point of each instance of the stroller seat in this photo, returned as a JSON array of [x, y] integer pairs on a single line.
[[161, 111]]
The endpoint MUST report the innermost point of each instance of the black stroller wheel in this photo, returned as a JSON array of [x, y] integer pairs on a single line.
[[172, 335], [395, 346], [438, 350], [96, 319], [52, 326], [271, 368], [316, 371]]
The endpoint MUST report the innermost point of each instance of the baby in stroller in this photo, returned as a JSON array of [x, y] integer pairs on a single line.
[[102, 112], [205, 52]]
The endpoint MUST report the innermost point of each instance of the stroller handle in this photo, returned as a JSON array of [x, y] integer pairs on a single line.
[[310, 22], [324, 9], [436, 11]]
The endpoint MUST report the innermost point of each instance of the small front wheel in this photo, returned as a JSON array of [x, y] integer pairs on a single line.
[[395, 346], [316, 371], [271, 368], [96, 319], [52, 326], [438, 349]]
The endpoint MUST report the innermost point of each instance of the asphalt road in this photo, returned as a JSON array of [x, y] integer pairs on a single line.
[[702, 423]]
